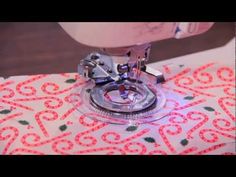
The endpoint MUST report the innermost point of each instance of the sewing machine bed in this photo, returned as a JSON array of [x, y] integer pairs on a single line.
[[37, 115]]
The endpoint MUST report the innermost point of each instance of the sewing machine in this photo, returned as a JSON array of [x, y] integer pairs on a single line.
[[120, 87]]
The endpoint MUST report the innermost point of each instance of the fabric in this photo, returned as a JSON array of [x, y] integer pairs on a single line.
[[37, 115]]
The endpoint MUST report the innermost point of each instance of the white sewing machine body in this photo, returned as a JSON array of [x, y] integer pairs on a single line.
[[123, 34]]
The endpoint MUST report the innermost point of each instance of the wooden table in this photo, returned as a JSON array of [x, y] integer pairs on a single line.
[[37, 48]]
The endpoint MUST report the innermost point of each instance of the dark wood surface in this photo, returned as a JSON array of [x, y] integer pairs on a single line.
[[37, 48]]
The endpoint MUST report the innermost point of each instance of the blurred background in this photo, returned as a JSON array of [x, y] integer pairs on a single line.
[[42, 48]]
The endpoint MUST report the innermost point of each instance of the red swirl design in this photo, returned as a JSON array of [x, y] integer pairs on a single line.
[[88, 140], [135, 147], [5, 84], [16, 104], [35, 138], [227, 88], [10, 94], [213, 133], [75, 100], [223, 106], [226, 125], [48, 103], [115, 138], [183, 81], [212, 148], [25, 151], [230, 77], [68, 145], [198, 74], [111, 150], [31, 90], [174, 118], [42, 115], [188, 151], [185, 71], [227, 91], [156, 152], [10, 136], [87, 122], [190, 104], [200, 115], [54, 87], [177, 130], [12, 116]]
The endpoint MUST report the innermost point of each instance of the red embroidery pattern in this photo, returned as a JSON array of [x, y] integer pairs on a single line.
[[111, 150], [226, 88], [178, 130], [84, 118], [213, 133], [190, 104], [6, 84], [50, 100], [185, 71], [36, 139], [55, 88], [230, 74], [10, 94], [188, 81], [12, 116], [207, 76], [47, 103], [91, 141], [223, 106], [38, 119], [16, 104], [188, 151], [32, 90], [190, 116], [156, 152], [212, 148], [135, 147], [227, 123], [24, 151], [174, 118], [116, 137], [76, 102], [10, 137], [68, 146]]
